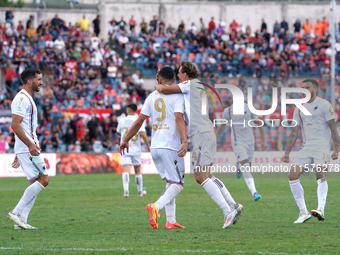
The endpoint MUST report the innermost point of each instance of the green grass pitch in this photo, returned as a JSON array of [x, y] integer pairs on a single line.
[[88, 215]]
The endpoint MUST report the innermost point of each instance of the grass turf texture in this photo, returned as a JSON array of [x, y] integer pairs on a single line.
[[89, 212]]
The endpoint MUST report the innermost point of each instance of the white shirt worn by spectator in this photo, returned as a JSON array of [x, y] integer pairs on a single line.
[[337, 46], [118, 61], [97, 146], [95, 42], [49, 44], [328, 51], [123, 39], [193, 28], [137, 80], [97, 58], [295, 47], [111, 71], [59, 44], [250, 50]]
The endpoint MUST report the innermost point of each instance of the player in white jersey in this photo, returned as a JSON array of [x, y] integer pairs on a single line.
[[243, 142], [203, 139], [317, 131], [27, 150], [135, 151], [168, 130]]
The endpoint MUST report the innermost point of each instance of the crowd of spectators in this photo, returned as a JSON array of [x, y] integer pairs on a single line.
[[82, 71], [299, 49]]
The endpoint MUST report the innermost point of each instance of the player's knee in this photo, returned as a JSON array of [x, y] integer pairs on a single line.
[[44, 181], [292, 176], [200, 180]]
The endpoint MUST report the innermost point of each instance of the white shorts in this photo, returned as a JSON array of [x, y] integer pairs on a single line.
[[169, 166], [128, 160], [244, 151], [310, 156], [204, 149], [32, 165]]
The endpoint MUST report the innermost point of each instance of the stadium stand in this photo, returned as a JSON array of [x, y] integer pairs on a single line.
[[85, 74]]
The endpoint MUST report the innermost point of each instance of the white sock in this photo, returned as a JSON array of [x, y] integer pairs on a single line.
[[30, 193], [170, 209], [322, 193], [225, 193], [27, 209], [248, 178], [126, 180], [170, 193], [139, 182], [216, 195], [297, 190]]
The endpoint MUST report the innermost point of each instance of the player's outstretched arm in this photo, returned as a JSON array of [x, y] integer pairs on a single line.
[[291, 141], [145, 139], [220, 130], [133, 130], [263, 136], [335, 137], [19, 131], [168, 89], [181, 130]]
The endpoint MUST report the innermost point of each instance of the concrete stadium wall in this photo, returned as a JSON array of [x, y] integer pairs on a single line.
[[48, 14], [245, 13]]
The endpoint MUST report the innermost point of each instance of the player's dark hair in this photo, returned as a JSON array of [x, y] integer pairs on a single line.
[[28, 74], [314, 82], [133, 107], [190, 69], [166, 73]]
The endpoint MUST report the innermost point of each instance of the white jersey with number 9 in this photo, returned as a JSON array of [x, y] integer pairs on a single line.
[[161, 108]]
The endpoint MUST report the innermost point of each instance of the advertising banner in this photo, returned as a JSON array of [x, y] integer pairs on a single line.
[[87, 163], [5, 118], [6, 169]]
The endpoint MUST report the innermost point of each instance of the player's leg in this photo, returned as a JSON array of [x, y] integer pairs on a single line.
[[297, 188], [178, 176], [126, 163], [154, 214], [171, 168], [245, 155], [174, 174], [137, 162], [322, 190], [204, 147], [35, 170]]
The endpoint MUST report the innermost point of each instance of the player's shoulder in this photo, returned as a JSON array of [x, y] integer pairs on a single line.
[[227, 109], [324, 102]]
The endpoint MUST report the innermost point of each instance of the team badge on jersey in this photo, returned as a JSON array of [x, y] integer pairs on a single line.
[[19, 104]]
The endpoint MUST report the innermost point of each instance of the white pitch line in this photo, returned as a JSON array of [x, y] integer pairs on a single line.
[[132, 249]]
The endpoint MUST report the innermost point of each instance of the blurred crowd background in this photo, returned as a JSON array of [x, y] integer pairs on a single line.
[[89, 81]]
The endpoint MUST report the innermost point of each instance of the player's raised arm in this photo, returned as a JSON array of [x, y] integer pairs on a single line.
[[19, 131], [263, 136], [335, 138], [291, 141], [181, 130], [133, 130]]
